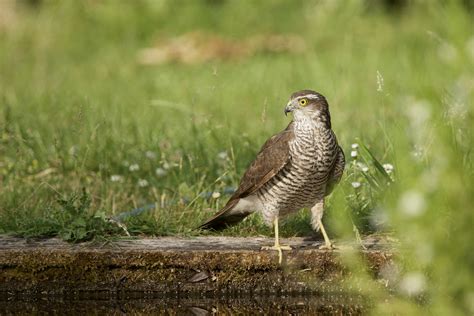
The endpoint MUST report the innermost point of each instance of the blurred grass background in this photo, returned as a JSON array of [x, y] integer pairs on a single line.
[[79, 111]]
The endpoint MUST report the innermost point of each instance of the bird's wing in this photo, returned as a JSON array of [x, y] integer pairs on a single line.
[[273, 156], [337, 171]]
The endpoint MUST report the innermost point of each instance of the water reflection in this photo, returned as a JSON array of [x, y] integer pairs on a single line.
[[289, 305]]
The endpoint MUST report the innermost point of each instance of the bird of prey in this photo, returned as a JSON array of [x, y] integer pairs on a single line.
[[296, 168]]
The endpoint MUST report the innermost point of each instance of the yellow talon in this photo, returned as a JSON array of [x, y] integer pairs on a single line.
[[277, 245], [327, 243]]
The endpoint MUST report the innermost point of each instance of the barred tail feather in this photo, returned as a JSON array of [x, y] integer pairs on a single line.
[[226, 217]]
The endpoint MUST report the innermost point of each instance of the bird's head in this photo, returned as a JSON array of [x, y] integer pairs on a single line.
[[308, 104]]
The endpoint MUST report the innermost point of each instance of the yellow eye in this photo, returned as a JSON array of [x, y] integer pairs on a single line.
[[303, 102]]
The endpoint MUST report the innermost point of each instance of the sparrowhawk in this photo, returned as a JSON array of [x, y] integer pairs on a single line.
[[295, 168]]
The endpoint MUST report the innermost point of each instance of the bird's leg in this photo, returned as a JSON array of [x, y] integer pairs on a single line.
[[277, 245], [327, 243], [317, 214]]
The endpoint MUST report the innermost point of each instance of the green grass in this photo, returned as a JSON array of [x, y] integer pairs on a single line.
[[77, 109]]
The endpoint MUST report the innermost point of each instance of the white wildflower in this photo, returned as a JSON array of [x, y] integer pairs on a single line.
[[456, 110], [413, 283], [355, 146], [215, 195], [116, 178], [412, 203], [169, 165], [418, 152], [388, 167], [222, 155], [356, 185], [142, 183], [160, 172], [73, 150], [363, 167], [134, 167], [150, 154], [379, 82], [354, 154]]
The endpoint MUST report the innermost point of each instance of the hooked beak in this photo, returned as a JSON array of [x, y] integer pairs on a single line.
[[289, 108]]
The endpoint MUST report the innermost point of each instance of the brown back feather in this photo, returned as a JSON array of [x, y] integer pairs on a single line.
[[336, 172], [273, 156]]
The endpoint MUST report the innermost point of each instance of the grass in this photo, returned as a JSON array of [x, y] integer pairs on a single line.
[[79, 113]]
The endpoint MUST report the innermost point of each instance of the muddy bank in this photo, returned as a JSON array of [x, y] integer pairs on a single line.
[[170, 267]]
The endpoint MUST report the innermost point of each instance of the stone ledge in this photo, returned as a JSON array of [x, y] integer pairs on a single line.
[[170, 267]]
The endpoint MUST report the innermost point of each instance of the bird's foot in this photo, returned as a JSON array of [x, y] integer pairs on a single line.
[[278, 248]]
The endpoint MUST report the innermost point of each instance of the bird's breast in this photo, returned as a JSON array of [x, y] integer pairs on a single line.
[[303, 179], [313, 151]]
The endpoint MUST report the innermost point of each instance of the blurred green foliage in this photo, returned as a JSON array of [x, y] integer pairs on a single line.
[[78, 111]]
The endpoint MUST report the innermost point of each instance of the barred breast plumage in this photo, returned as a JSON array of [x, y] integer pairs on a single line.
[[302, 182]]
